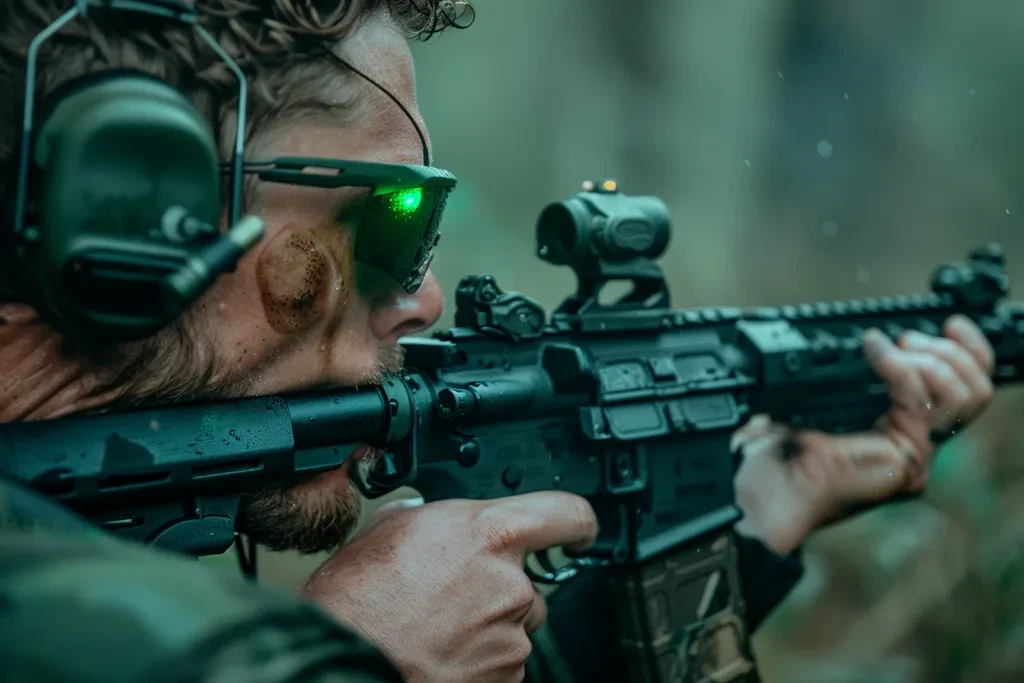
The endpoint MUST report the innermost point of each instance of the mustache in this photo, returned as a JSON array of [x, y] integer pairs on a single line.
[[390, 361]]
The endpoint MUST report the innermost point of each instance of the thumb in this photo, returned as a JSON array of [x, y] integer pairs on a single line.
[[756, 426], [391, 509]]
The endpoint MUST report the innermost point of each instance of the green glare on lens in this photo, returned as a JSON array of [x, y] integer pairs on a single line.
[[405, 202]]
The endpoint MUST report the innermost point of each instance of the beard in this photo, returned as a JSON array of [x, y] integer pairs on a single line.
[[319, 512], [310, 516]]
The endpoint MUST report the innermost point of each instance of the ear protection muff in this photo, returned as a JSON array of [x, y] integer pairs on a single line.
[[115, 161], [118, 204]]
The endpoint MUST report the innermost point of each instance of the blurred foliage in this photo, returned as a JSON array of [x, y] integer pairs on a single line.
[[809, 150]]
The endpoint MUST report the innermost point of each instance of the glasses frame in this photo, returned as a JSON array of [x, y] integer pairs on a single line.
[[381, 178]]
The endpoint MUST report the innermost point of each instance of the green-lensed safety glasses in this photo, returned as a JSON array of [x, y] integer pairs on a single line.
[[399, 226]]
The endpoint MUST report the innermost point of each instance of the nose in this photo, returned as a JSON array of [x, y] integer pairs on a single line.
[[403, 314]]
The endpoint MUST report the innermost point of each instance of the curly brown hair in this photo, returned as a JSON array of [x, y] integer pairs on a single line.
[[276, 42]]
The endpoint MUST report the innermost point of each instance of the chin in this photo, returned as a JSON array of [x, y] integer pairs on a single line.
[[314, 516]]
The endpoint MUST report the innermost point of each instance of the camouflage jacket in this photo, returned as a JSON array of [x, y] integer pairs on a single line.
[[78, 605]]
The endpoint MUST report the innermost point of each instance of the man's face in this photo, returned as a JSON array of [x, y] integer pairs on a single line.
[[298, 312]]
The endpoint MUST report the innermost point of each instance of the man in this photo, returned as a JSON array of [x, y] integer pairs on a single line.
[[298, 312]]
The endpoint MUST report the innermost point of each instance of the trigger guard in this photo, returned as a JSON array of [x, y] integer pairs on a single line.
[[551, 576], [366, 489], [371, 486], [544, 560]]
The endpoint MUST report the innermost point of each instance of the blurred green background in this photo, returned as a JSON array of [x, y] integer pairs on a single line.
[[808, 150]]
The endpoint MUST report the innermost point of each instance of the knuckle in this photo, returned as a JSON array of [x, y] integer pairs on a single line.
[[497, 528], [957, 355], [521, 593], [495, 532], [519, 652], [948, 347], [512, 595], [938, 370], [963, 356], [900, 372], [986, 392], [988, 358]]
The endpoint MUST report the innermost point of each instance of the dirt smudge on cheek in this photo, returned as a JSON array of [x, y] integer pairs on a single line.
[[295, 279]]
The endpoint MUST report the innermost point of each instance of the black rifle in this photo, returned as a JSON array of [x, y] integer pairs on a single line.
[[630, 404]]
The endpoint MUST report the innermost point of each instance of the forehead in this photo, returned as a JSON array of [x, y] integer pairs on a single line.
[[359, 122], [379, 49]]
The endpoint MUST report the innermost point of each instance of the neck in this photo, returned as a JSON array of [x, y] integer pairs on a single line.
[[38, 381]]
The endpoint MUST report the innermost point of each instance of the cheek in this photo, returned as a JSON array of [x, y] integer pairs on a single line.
[[295, 279]]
